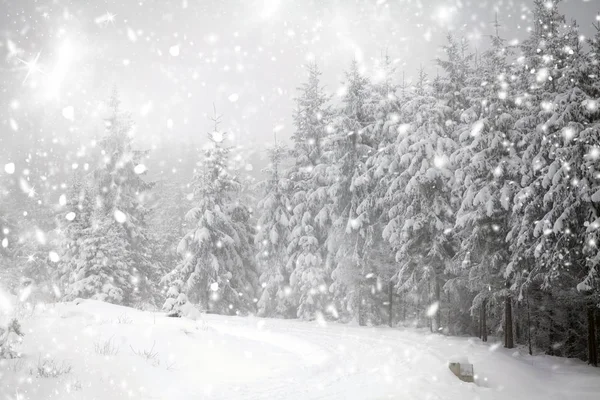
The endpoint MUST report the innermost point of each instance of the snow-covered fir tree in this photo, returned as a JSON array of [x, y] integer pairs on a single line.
[[487, 166], [272, 238], [349, 236], [213, 271], [422, 216], [556, 198], [111, 261], [166, 225], [387, 99], [309, 222]]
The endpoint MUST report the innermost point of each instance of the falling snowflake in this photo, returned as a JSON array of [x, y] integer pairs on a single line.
[[69, 113], [217, 136], [174, 50], [53, 256], [120, 216], [9, 168], [433, 309]]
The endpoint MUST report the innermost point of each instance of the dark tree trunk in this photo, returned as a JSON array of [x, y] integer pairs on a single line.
[[450, 316], [391, 301], [551, 330], [429, 318], [438, 321], [418, 311], [597, 317], [571, 329], [592, 344], [484, 336], [361, 308], [518, 325], [508, 322], [528, 325], [480, 324]]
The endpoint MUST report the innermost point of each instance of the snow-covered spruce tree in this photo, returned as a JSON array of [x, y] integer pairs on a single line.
[[593, 87], [272, 239], [348, 238], [562, 189], [309, 222], [548, 88], [111, 262], [457, 88], [385, 103], [590, 285], [387, 172], [166, 223], [487, 167], [421, 217], [26, 237], [8, 271], [453, 87], [538, 55], [247, 280], [74, 224], [213, 269], [244, 221]]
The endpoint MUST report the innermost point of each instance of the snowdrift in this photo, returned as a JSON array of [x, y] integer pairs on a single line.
[[94, 350]]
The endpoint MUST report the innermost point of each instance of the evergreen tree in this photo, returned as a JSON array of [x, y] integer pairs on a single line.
[[214, 265], [549, 83], [421, 218], [167, 222], [309, 222], [111, 261], [349, 237], [487, 167], [272, 239], [560, 191], [74, 224]]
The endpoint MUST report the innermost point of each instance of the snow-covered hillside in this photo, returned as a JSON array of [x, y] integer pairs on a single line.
[[103, 351]]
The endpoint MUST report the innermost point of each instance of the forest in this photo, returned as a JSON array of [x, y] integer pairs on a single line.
[[466, 201]]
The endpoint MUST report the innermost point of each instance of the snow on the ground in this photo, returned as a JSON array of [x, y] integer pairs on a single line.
[[220, 357]]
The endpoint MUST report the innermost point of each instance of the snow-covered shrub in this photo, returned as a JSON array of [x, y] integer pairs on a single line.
[[106, 347], [7, 341], [10, 328], [50, 368]]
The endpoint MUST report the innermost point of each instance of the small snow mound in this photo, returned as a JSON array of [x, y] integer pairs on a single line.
[[188, 310]]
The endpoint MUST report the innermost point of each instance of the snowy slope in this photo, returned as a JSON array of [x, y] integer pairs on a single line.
[[249, 358]]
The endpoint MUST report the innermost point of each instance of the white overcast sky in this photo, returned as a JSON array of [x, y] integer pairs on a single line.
[[171, 59]]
